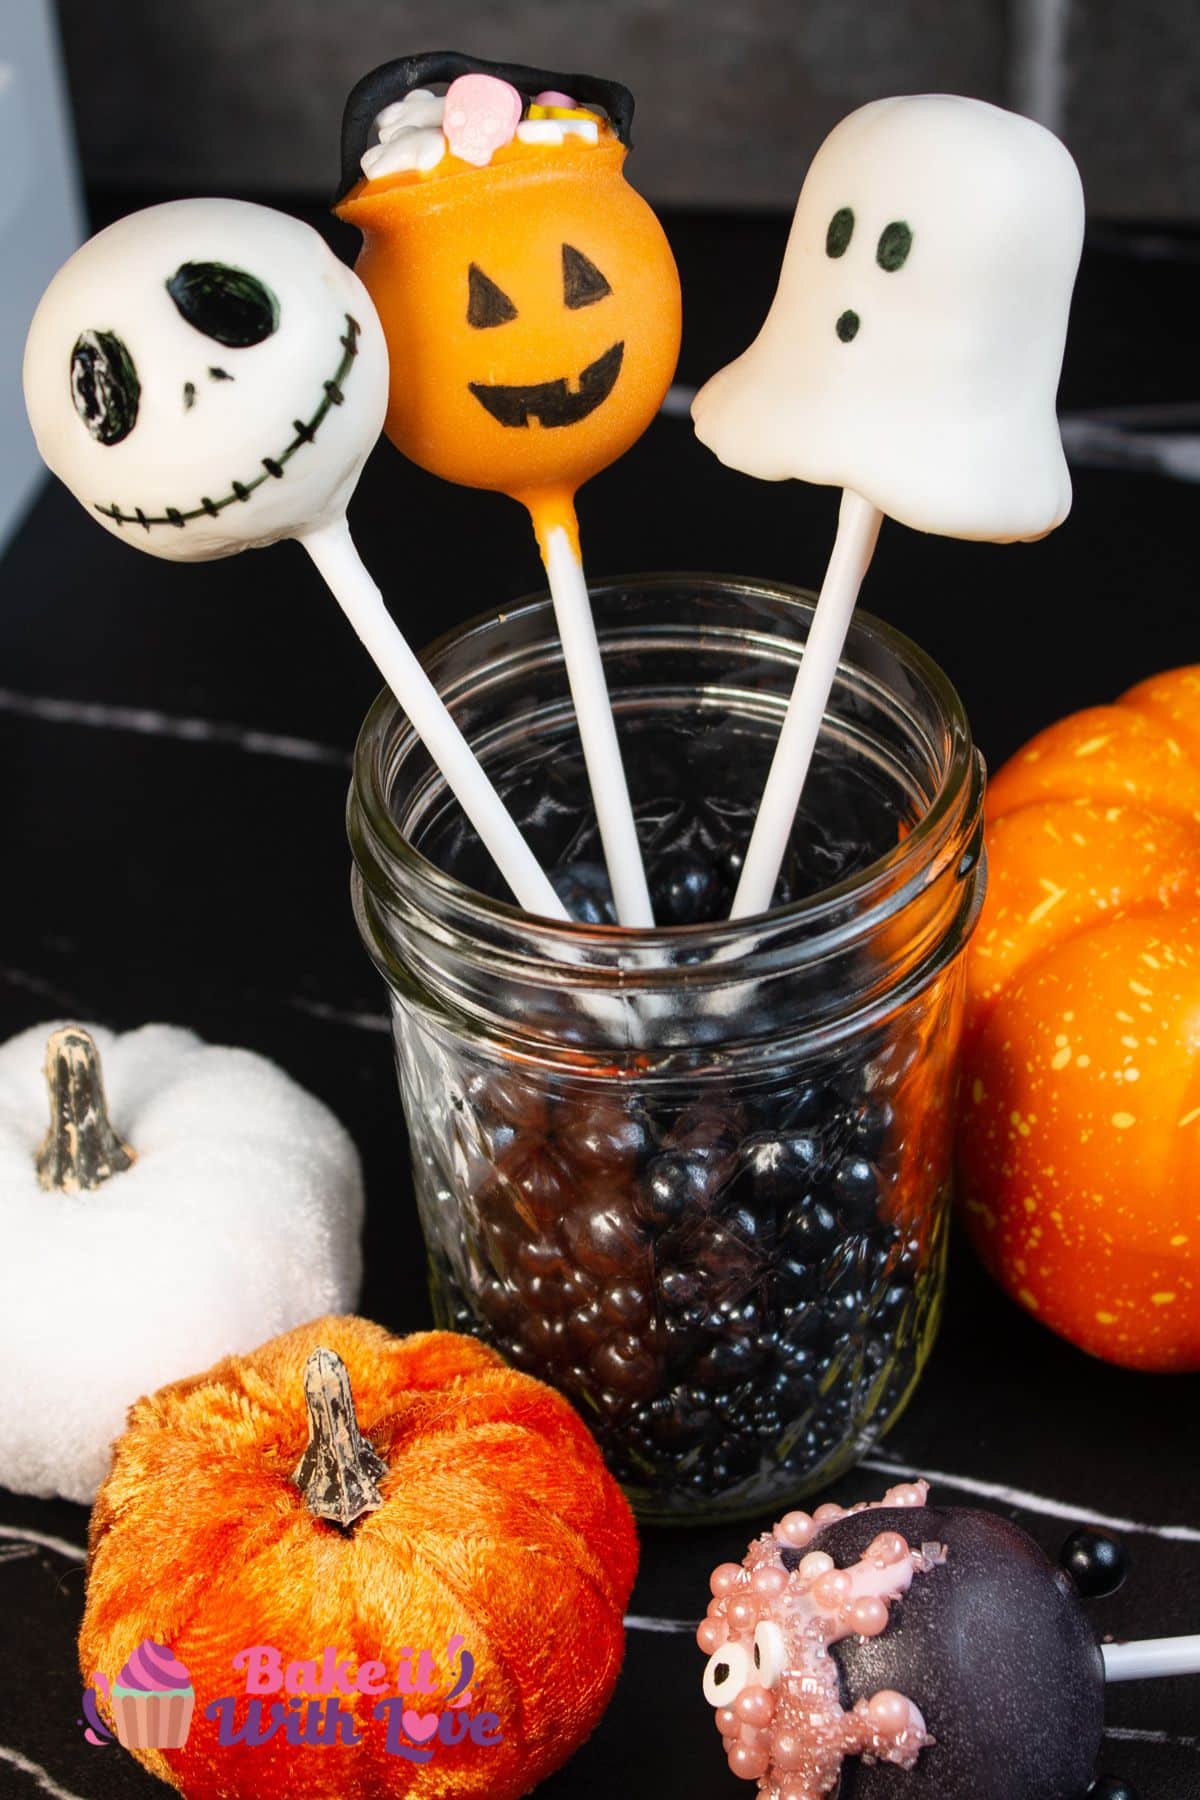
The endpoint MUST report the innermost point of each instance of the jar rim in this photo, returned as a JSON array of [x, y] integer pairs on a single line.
[[879, 879]]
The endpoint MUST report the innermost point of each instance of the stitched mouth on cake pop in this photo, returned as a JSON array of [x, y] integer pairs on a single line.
[[552, 403], [273, 467]]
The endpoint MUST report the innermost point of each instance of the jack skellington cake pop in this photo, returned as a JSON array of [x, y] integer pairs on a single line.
[[913, 1652], [206, 377]]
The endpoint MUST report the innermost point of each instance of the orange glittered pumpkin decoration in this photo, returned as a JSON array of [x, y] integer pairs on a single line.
[[1079, 1133], [531, 306], [427, 1498]]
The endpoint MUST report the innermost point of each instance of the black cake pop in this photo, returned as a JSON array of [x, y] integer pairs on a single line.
[[910, 1652], [994, 1647]]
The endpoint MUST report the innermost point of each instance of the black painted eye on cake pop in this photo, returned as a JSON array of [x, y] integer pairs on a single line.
[[487, 304], [841, 230], [105, 386], [231, 306], [583, 283], [895, 242]]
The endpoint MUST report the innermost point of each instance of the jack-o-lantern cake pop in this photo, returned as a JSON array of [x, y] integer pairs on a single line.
[[900, 1651], [531, 305]]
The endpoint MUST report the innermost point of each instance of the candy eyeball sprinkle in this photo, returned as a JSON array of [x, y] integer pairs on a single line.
[[768, 1656], [727, 1672]]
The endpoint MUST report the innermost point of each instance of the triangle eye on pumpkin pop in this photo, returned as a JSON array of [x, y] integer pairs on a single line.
[[487, 304], [583, 284]]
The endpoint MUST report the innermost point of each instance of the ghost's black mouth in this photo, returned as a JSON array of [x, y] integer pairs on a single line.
[[272, 466], [552, 402]]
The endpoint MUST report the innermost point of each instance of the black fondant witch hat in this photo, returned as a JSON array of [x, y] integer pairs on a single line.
[[391, 81]]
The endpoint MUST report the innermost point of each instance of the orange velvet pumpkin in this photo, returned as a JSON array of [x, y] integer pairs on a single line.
[[484, 1515], [1079, 1133]]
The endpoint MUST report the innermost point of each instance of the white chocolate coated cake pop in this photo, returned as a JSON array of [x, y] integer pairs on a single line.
[[913, 349], [206, 376]]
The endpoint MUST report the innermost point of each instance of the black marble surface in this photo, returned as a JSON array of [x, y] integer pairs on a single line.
[[156, 868]]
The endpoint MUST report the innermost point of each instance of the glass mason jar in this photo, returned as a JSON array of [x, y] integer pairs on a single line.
[[695, 1177]]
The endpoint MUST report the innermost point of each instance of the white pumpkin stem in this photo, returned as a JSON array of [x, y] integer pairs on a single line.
[[339, 1472], [81, 1149]]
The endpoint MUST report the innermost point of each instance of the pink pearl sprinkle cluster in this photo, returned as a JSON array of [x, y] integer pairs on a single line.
[[767, 1634]]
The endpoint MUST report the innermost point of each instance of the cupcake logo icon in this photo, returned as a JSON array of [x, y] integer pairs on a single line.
[[150, 1702]]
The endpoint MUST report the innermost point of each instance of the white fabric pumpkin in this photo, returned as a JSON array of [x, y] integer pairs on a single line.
[[238, 1218]]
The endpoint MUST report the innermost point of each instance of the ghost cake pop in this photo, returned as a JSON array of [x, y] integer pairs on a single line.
[[206, 377], [911, 1652], [910, 357], [531, 304]]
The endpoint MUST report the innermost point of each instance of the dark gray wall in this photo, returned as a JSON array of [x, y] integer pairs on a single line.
[[732, 98]]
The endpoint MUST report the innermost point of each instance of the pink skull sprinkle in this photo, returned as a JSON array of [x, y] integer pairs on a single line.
[[481, 114]]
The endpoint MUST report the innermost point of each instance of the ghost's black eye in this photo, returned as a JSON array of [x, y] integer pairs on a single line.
[[487, 304], [895, 242], [104, 386], [583, 284], [841, 230], [233, 308]]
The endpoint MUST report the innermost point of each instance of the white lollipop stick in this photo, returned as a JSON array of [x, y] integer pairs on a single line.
[[858, 528], [332, 550], [1152, 1656], [601, 751]]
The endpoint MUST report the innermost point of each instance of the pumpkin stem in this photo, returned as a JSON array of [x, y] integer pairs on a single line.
[[339, 1471], [81, 1149]]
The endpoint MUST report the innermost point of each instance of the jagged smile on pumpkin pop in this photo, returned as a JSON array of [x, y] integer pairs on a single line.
[[552, 402], [272, 466]]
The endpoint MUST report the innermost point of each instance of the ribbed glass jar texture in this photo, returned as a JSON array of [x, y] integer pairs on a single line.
[[695, 1177]]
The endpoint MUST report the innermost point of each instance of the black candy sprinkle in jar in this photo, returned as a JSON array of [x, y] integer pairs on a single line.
[[696, 1177]]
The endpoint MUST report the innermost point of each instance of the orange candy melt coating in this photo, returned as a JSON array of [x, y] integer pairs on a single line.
[[1079, 1133], [512, 220]]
